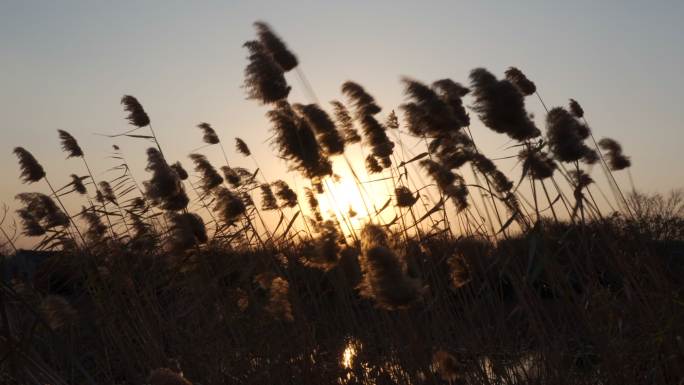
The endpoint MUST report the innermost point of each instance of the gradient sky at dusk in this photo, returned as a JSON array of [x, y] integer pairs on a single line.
[[65, 65]]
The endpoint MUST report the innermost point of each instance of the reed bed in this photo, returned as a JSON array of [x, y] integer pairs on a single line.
[[462, 275]]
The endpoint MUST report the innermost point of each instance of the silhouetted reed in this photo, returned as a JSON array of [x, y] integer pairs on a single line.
[[136, 113], [575, 109], [613, 151], [242, 147], [264, 78], [285, 194], [346, 123], [384, 279], [180, 171], [70, 145], [500, 106], [372, 165], [77, 183], [452, 94], [520, 81], [31, 170], [208, 134], [40, 214], [275, 46], [450, 184], [229, 205], [323, 251], [209, 177], [566, 136], [95, 229], [326, 132], [364, 103], [313, 204], [404, 197], [165, 188], [268, 200], [187, 231]]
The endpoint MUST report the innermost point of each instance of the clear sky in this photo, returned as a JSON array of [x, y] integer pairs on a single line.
[[65, 65]]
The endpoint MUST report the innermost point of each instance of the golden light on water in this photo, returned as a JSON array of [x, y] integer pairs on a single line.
[[349, 354]]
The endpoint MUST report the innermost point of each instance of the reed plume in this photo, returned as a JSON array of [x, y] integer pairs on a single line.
[[229, 206], [404, 197], [209, 135], [165, 188], [566, 136], [452, 94], [363, 103], [450, 184], [242, 147], [40, 213], [268, 200], [209, 177], [70, 145], [77, 183], [372, 165], [575, 109], [187, 231], [232, 176], [326, 132], [500, 106], [313, 204], [106, 193], [537, 163], [384, 279], [264, 78], [31, 170], [285, 194], [296, 142], [323, 252], [392, 121], [95, 229], [520, 81], [345, 122], [279, 305], [378, 141], [427, 113], [136, 113], [275, 46], [616, 159], [180, 171]]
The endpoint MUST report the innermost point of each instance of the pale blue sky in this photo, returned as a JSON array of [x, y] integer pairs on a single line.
[[65, 64]]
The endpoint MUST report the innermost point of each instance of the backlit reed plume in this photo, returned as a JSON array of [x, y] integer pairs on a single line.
[[326, 132], [537, 163], [166, 376], [275, 46], [372, 165], [452, 94], [392, 121], [449, 183], [500, 106], [279, 305], [376, 138], [178, 168], [40, 213], [31, 170], [485, 166], [285, 194], [616, 159], [58, 312], [566, 136], [520, 81], [77, 183], [232, 177], [209, 177], [95, 229], [209, 135], [165, 188], [384, 278], [268, 200], [229, 206], [264, 77], [323, 252], [136, 113], [313, 204], [364, 103], [345, 122], [405, 197], [575, 109], [427, 114], [106, 193], [453, 150], [70, 145], [296, 142], [187, 231], [242, 147], [447, 366]]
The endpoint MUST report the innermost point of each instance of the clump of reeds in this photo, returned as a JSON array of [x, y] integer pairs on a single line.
[[229, 205], [323, 251], [449, 183], [384, 278], [40, 214]]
